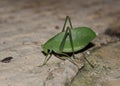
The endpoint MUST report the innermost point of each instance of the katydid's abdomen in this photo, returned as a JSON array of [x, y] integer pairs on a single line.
[[81, 37]]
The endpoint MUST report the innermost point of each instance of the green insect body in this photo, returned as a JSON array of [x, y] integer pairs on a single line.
[[80, 40], [68, 41]]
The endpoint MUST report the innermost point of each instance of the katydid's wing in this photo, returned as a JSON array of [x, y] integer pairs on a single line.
[[81, 37]]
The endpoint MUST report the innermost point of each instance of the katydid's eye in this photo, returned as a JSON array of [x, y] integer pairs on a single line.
[[48, 50]]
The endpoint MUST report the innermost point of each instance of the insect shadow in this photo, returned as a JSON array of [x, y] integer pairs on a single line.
[[90, 45]]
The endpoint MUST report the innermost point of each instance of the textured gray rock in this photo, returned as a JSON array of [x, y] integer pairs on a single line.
[[106, 72]]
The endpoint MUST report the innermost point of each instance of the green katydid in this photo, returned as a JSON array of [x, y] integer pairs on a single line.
[[69, 40]]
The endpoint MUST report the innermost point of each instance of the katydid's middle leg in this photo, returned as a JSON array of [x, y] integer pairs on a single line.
[[68, 58], [88, 61]]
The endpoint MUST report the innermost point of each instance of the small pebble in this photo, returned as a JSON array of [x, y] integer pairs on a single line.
[[57, 27], [7, 59]]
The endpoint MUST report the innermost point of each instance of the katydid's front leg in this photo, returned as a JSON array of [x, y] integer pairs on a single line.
[[48, 56], [69, 20]]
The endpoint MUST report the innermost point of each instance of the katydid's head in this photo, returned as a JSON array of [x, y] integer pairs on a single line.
[[45, 50]]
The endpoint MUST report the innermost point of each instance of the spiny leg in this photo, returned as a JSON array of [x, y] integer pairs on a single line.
[[67, 19]]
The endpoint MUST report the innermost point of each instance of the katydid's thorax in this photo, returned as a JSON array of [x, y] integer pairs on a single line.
[[81, 36]]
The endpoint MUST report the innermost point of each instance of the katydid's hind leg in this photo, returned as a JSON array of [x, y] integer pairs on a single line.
[[71, 41], [63, 43], [67, 32], [88, 61], [65, 24], [67, 19]]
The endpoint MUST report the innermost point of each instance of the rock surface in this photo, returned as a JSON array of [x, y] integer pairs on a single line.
[[106, 71], [26, 24]]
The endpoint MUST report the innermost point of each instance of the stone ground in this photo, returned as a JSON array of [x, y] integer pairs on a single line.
[[106, 70], [26, 24]]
